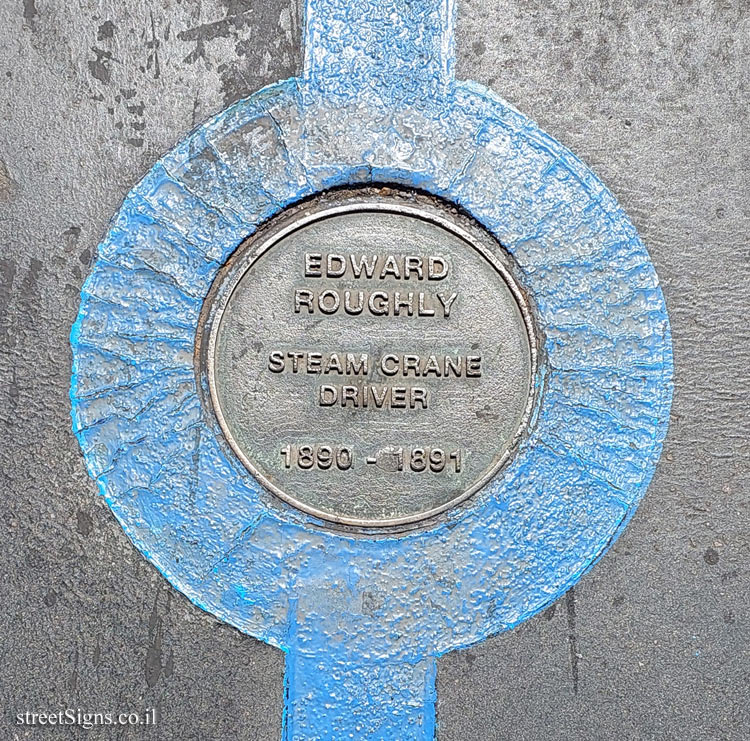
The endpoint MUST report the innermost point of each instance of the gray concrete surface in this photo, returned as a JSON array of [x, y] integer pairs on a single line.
[[653, 644]]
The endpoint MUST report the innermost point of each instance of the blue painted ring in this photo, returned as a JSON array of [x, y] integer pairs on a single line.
[[207, 525]]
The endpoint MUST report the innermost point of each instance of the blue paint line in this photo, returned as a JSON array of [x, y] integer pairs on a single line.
[[430, 700], [361, 619], [402, 53], [332, 695]]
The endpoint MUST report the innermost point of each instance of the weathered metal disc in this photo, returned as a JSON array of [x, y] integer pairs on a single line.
[[370, 361]]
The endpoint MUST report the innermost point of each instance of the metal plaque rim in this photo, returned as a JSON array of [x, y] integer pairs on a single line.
[[227, 282]]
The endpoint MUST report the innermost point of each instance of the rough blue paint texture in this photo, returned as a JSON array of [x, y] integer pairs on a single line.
[[362, 619]]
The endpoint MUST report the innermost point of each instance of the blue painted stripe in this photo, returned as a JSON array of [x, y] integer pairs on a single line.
[[362, 619]]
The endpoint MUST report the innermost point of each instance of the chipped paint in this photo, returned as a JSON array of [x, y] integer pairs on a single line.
[[362, 620]]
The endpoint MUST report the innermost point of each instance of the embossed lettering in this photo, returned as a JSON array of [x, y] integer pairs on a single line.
[[327, 395], [473, 366], [335, 266], [357, 366], [399, 303], [298, 361], [381, 307], [313, 265], [276, 361], [422, 310], [413, 264], [447, 303], [373, 396], [377, 303], [362, 262], [303, 297], [329, 302], [437, 268], [314, 360], [389, 365], [349, 307], [398, 267]]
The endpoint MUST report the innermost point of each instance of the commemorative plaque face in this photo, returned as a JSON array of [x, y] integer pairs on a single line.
[[370, 359]]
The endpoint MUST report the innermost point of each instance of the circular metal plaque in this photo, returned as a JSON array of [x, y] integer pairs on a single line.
[[371, 360]]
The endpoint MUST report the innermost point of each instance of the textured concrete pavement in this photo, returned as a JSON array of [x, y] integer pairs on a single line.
[[652, 644]]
